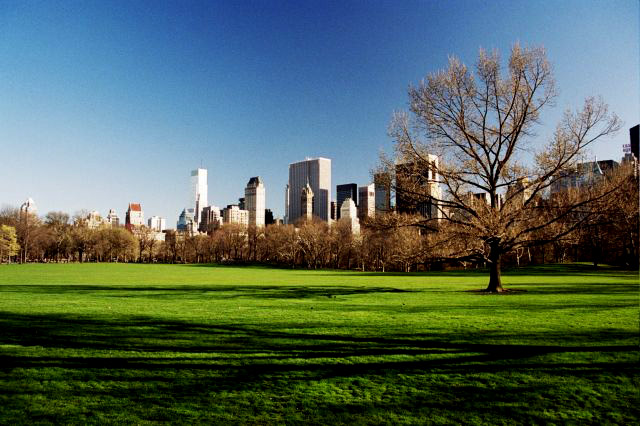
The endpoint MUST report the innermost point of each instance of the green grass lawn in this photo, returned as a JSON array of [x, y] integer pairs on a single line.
[[118, 343]]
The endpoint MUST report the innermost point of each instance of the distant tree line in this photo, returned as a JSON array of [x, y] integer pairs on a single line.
[[390, 242]]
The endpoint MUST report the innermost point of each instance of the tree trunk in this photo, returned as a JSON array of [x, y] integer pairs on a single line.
[[495, 279]]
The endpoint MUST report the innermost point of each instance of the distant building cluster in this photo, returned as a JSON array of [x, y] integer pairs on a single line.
[[415, 188]]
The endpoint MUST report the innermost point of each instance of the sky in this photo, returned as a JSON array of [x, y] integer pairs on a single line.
[[110, 102]]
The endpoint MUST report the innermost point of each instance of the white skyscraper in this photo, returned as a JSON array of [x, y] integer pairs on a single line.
[[317, 173], [199, 192], [254, 201], [349, 212]]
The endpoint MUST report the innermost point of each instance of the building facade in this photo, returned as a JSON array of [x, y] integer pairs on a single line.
[[254, 199], [306, 204], [112, 218], [199, 193], [211, 219], [418, 188], [344, 191], [382, 188], [367, 206], [94, 220], [157, 223], [134, 215], [317, 173], [186, 222], [233, 214], [349, 212]]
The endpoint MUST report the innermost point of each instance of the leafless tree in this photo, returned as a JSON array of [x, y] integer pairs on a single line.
[[480, 126]]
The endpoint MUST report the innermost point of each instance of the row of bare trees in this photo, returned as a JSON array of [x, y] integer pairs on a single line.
[[603, 231]]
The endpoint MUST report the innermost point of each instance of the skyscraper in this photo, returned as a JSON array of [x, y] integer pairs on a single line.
[[317, 173], [382, 184], [286, 204], [254, 201], [350, 214], [306, 203], [344, 191], [367, 205], [199, 192]]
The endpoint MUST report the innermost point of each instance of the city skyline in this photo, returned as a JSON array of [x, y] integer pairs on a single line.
[[107, 104]]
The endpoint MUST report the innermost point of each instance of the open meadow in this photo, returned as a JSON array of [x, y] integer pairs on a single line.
[[129, 343]]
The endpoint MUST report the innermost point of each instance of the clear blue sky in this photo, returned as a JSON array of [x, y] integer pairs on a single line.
[[109, 102]]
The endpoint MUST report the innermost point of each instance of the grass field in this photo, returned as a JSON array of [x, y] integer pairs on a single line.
[[119, 343]]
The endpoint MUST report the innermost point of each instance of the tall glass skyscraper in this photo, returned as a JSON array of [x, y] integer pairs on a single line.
[[317, 173], [199, 191]]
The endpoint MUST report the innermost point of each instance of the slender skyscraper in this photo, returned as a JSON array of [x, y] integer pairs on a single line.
[[198, 193], [254, 201], [317, 173], [344, 191]]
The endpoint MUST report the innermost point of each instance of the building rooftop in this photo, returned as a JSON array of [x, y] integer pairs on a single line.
[[135, 207]]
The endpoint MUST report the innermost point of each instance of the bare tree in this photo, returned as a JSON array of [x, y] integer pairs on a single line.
[[479, 125]]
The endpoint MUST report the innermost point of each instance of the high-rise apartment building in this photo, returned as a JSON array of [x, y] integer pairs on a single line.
[[233, 214], [199, 191], [157, 223], [254, 201], [134, 216], [211, 219], [344, 191], [317, 173], [113, 219], [367, 205]]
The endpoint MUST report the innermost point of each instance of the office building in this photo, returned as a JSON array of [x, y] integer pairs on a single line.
[[157, 223], [134, 216], [186, 222], [334, 210], [344, 191], [349, 213], [254, 200], [418, 188], [583, 175], [233, 214], [268, 217], [211, 219], [382, 187], [367, 206], [199, 191], [286, 205], [316, 172]]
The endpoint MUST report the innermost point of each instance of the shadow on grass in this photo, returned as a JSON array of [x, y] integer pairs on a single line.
[[181, 362], [216, 291]]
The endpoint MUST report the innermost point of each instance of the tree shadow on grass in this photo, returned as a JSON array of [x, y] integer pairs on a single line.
[[214, 291], [182, 362]]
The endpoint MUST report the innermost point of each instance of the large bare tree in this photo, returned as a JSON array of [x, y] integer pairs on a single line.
[[493, 172]]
